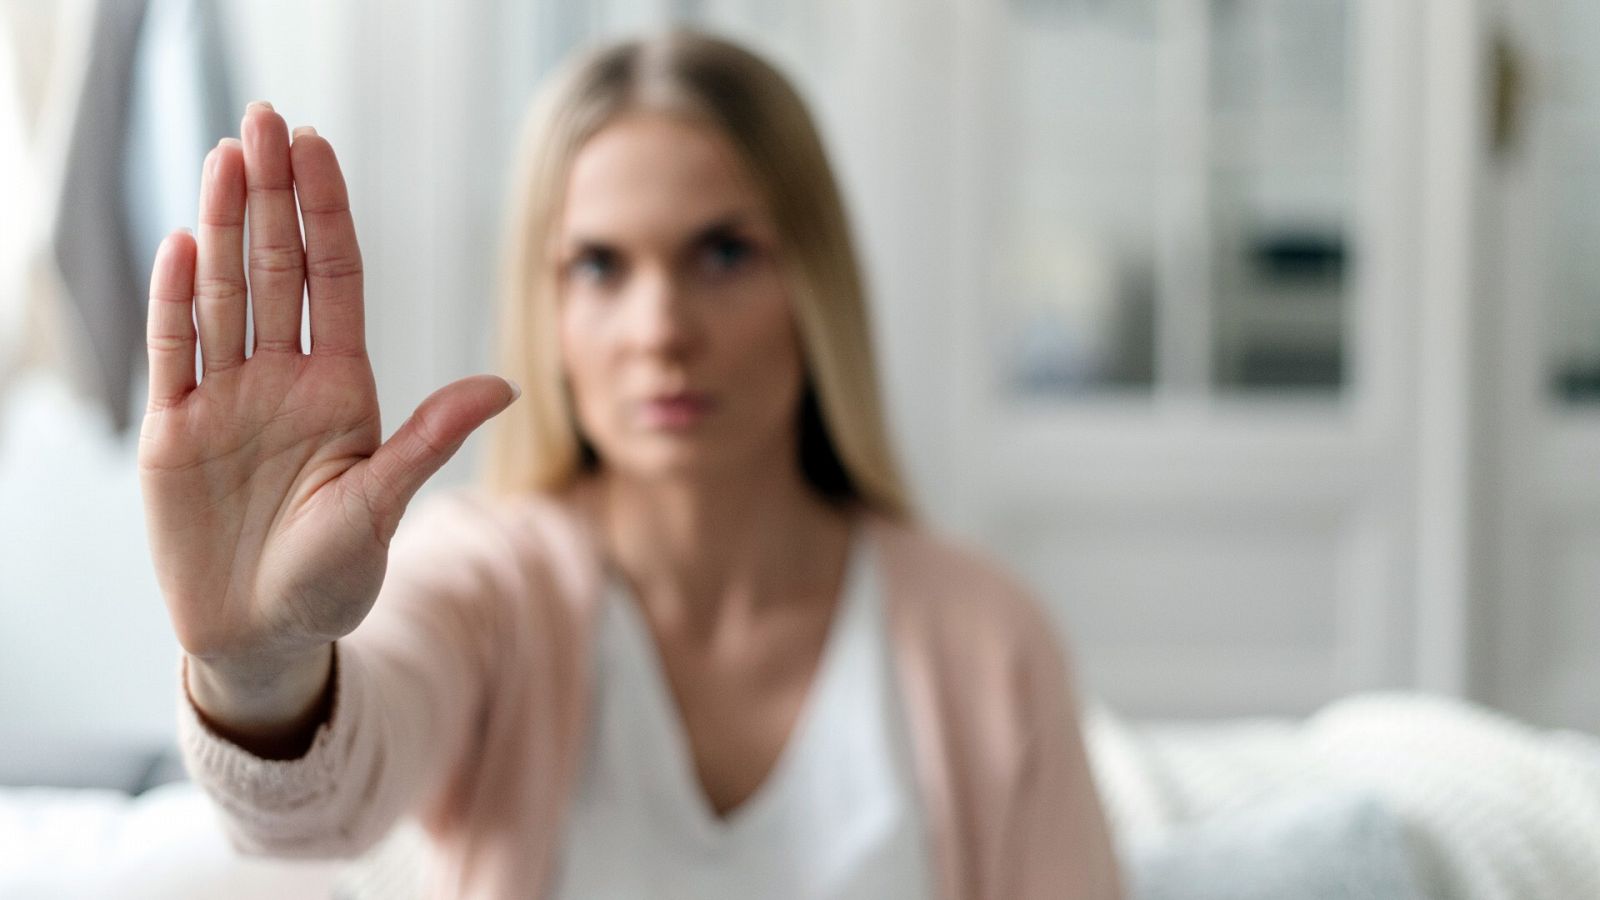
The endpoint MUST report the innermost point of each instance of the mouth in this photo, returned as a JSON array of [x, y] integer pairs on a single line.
[[676, 410]]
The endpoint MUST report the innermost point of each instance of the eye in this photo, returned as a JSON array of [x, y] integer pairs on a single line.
[[724, 253], [597, 265]]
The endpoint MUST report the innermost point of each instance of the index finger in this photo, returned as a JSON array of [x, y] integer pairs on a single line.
[[333, 259]]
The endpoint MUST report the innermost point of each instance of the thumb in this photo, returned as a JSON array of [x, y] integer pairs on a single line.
[[426, 441]]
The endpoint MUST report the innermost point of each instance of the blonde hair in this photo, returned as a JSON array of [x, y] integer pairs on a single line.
[[844, 451]]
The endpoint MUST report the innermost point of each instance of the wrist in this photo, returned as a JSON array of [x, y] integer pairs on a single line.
[[261, 696]]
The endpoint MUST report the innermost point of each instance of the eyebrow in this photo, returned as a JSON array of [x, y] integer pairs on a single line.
[[720, 226], [715, 228]]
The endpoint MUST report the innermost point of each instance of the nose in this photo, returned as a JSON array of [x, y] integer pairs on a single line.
[[662, 320]]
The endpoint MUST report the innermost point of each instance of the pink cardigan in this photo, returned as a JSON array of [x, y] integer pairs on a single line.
[[462, 699]]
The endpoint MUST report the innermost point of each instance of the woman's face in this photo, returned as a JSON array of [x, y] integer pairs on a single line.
[[677, 333]]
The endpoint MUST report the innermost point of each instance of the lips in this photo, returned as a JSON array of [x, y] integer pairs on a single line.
[[677, 410]]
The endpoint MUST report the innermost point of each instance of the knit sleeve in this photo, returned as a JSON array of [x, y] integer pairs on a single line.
[[1057, 832], [409, 687]]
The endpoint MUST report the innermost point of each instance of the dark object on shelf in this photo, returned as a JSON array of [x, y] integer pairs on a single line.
[[1579, 384], [1299, 255]]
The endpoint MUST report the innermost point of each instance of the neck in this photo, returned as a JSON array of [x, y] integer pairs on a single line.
[[697, 549]]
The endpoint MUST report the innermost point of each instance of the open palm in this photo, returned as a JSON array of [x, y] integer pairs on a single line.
[[270, 496]]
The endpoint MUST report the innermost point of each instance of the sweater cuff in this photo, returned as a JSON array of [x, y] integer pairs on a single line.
[[249, 785]]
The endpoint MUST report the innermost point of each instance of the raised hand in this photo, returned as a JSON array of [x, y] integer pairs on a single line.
[[270, 497]]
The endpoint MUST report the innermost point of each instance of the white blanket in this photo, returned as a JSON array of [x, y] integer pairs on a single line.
[[165, 844], [1488, 809]]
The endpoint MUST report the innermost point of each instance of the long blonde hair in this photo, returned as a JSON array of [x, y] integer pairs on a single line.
[[844, 451]]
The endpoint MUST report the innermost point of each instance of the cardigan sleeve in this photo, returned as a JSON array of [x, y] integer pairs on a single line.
[[1057, 833], [409, 685]]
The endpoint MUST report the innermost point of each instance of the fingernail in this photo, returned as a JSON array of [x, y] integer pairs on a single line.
[[230, 142], [305, 131], [258, 104], [186, 230], [516, 390]]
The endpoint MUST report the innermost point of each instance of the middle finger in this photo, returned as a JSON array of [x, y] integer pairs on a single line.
[[277, 256]]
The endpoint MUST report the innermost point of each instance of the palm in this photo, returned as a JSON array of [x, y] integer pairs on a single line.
[[269, 494], [251, 470]]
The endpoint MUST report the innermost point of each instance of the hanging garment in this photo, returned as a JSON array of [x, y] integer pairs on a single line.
[[155, 97], [90, 238]]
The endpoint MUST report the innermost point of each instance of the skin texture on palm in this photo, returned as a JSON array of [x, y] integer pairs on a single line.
[[270, 496]]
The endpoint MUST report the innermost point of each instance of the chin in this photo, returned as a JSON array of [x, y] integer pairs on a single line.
[[678, 460]]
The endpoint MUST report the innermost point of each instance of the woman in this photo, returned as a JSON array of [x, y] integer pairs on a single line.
[[690, 642]]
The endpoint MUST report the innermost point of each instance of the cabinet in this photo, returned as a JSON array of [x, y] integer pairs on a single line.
[[1319, 412]]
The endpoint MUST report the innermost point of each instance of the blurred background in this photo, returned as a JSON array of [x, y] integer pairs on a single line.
[[1262, 337]]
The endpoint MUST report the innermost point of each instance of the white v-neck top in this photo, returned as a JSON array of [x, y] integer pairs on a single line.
[[836, 818]]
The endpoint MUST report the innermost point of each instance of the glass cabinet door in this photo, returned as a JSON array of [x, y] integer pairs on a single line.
[[1174, 197], [1279, 188], [1074, 266], [1562, 78]]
